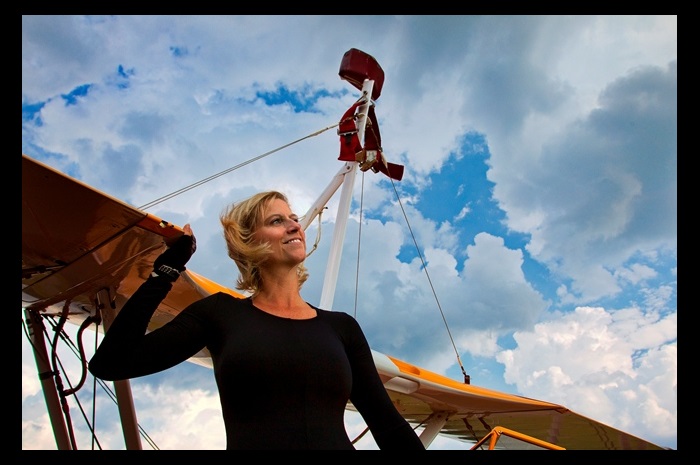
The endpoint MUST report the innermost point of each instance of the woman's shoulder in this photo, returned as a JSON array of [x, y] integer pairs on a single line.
[[336, 316], [219, 308]]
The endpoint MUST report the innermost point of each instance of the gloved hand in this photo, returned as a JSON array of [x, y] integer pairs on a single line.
[[172, 262]]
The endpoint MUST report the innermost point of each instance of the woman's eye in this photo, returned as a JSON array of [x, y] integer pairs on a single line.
[[282, 220]]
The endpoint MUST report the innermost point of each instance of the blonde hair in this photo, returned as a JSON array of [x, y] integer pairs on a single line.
[[240, 221]]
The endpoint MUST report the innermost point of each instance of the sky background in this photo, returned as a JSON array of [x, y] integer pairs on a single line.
[[540, 187]]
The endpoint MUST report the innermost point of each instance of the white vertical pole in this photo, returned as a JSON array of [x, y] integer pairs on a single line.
[[331, 278]]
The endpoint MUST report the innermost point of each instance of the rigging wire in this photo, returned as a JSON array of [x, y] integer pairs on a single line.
[[233, 168], [359, 239], [467, 378]]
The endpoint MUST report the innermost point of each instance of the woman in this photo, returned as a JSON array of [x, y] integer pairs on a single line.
[[284, 368]]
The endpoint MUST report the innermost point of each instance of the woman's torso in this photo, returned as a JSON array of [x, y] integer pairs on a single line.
[[283, 383]]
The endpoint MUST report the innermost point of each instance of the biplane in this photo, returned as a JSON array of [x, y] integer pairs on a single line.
[[84, 253]]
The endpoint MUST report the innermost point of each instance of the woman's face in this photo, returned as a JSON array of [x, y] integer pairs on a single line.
[[280, 228]]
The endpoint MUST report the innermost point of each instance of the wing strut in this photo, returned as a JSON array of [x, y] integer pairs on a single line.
[[433, 427], [48, 385], [122, 389]]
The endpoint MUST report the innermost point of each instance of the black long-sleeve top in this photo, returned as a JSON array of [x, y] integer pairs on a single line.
[[283, 383]]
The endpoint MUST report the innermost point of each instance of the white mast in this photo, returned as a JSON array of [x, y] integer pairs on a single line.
[[346, 176]]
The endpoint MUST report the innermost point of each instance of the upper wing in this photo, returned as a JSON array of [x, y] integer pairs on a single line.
[[82, 250]]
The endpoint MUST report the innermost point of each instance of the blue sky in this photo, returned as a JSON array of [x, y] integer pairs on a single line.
[[540, 186]]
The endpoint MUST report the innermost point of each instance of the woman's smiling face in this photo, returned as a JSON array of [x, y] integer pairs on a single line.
[[281, 229]]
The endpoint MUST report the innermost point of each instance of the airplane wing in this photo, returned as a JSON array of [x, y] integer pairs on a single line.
[[470, 413], [83, 250]]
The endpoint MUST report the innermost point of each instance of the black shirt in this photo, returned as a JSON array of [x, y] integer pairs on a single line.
[[283, 383]]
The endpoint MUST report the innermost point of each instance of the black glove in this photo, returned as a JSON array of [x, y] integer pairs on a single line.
[[172, 262]]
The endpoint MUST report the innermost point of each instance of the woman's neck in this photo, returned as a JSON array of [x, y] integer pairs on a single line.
[[283, 304], [279, 294]]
